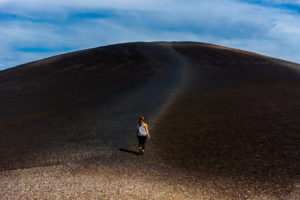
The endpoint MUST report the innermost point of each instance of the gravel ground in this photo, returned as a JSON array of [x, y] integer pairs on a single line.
[[131, 180]]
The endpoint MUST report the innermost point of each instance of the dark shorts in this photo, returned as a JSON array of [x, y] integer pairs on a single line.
[[142, 141]]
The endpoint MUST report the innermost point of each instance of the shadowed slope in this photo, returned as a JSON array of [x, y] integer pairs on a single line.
[[79, 96]]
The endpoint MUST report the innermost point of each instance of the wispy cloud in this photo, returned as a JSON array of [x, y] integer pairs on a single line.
[[34, 29]]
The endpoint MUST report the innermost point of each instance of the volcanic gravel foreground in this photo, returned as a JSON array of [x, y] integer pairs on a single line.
[[224, 124]]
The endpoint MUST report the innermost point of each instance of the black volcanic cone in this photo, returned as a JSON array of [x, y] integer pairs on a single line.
[[214, 112]]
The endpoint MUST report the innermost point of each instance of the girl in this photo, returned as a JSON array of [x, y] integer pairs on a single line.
[[142, 134]]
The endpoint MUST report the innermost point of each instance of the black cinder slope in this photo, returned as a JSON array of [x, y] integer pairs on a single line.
[[214, 112], [237, 118]]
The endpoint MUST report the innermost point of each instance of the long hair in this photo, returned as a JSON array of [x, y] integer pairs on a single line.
[[142, 119]]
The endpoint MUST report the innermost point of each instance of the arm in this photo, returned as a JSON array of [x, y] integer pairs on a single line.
[[137, 130], [147, 130]]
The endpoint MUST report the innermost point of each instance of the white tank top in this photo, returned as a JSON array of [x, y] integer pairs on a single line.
[[142, 130]]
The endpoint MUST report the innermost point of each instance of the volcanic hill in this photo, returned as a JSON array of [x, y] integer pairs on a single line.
[[224, 124]]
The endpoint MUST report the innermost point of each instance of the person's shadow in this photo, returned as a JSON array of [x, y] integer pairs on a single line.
[[129, 151]]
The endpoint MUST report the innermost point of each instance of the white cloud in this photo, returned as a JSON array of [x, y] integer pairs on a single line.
[[293, 2], [47, 24]]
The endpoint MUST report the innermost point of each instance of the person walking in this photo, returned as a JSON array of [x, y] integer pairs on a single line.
[[142, 132]]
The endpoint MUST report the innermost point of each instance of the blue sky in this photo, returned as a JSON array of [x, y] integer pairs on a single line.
[[35, 29]]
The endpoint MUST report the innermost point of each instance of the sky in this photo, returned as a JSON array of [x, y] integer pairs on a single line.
[[35, 29]]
